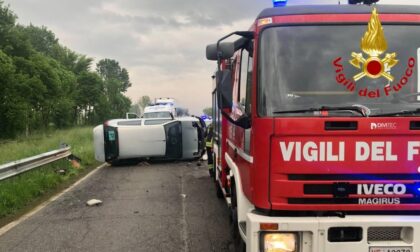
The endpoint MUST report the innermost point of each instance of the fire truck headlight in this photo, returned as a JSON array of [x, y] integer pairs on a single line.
[[280, 242]]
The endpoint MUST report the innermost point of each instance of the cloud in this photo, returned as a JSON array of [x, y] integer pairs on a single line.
[[198, 12]]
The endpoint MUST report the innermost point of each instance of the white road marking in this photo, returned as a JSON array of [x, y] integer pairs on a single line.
[[184, 230], [13, 224]]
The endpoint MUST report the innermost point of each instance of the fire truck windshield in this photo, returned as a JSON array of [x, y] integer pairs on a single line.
[[303, 67]]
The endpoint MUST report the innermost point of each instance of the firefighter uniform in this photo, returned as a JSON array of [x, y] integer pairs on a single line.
[[209, 149]]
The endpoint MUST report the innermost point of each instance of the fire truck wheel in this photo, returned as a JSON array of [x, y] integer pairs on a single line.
[[241, 247], [219, 192], [234, 212], [233, 194], [234, 226], [238, 242]]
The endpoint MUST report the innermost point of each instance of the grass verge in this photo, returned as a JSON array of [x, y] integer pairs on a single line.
[[19, 194]]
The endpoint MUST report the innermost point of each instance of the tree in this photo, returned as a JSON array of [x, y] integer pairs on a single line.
[[110, 70], [121, 105], [88, 95], [42, 39], [138, 107], [144, 101], [135, 108], [7, 23], [116, 81], [208, 111], [44, 83], [12, 106], [82, 64]]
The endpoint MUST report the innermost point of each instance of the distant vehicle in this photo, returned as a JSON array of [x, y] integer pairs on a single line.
[[131, 116], [207, 119], [157, 138], [164, 108]]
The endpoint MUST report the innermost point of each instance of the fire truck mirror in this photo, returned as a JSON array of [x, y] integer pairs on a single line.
[[224, 89], [244, 122], [226, 51]]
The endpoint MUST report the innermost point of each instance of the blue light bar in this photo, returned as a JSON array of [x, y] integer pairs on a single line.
[[416, 190], [279, 3]]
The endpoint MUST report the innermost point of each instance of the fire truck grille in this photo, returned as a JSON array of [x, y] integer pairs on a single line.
[[385, 233], [343, 190], [356, 189]]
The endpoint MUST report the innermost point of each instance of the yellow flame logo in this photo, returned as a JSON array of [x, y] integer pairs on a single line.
[[374, 44]]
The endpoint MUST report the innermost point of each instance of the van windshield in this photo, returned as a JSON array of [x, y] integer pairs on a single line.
[[304, 67]]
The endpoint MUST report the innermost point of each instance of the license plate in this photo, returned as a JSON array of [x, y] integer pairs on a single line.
[[391, 249]]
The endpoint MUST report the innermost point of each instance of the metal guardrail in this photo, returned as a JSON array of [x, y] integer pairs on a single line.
[[20, 166]]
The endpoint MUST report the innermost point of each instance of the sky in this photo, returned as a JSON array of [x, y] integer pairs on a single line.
[[160, 42]]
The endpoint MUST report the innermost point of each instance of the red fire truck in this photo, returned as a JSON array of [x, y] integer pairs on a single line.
[[317, 128]]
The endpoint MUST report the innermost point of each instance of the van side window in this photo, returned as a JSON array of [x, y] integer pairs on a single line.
[[130, 123]]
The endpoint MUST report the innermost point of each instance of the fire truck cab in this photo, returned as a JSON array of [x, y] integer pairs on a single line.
[[317, 129]]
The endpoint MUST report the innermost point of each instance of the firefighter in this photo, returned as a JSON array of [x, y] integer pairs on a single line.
[[209, 149]]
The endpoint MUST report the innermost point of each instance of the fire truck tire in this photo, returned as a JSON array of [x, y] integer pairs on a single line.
[[219, 192], [240, 245], [234, 226], [234, 202], [234, 212], [214, 168]]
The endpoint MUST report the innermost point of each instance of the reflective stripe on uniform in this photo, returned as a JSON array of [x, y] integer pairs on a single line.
[[209, 144]]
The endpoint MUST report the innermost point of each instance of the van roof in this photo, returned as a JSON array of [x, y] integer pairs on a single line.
[[338, 9]]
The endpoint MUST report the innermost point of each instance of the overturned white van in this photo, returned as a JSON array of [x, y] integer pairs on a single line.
[[159, 138]]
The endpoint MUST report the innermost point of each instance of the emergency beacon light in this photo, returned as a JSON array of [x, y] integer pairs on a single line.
[[279, 3], [369, 2]]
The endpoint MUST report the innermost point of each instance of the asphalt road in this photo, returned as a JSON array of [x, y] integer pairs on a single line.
[[158, 207]]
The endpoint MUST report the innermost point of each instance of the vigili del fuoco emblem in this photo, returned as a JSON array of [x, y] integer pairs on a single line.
[[374, 45]]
